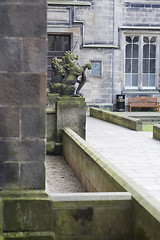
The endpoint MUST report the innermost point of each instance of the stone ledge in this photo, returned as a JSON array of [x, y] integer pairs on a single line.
[[112, 117], [100, 196], [70, 3], [156, 132]]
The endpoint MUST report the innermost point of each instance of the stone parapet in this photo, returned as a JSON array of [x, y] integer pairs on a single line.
[[156, 131], [98, 174], [33, 215], [112, 117]]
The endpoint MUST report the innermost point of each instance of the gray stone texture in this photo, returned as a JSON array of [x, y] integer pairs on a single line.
[[9, 122], [9, 176], [32, 175], [22, 150], [34, 59], [22, 93], [33, 122], [21, 89], [71, 112], [10, 54], [23, 19]]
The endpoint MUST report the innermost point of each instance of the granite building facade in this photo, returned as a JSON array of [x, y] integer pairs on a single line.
[[120, 38]]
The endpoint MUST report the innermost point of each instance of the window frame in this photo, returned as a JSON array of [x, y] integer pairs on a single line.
[[141, 34]]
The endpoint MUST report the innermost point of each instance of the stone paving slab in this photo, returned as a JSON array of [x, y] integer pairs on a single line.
[[136, 154]]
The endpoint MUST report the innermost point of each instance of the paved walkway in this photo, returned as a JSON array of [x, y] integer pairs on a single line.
[[136, 154]]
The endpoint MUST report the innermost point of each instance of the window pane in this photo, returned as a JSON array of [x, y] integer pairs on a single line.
[[135, 66], [128, 66], [152, 80], [152, 66], [135, 51], [51, 43], [135, 39], [146, 51], [145, 65], [66, 43], [135, 80], [152, 51], [128, 80], [58, 42], [128, 39], [146, 39], [145, 80], [153, 39], [128, 51]]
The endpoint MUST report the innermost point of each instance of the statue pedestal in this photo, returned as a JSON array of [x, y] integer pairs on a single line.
[[69, 112]]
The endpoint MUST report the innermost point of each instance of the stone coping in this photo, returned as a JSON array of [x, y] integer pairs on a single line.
[[71, 2], [137, 192], [98, 196], [116, 118]]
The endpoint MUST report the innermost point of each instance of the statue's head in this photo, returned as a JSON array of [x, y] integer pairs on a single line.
[[71, 55]]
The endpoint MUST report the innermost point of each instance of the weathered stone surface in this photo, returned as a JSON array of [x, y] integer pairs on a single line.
[[10, 54], [124, 121], [34, 59], [74, 222], [9, 176], [93, 219], [32, 176], [71, 112], [51, 126], [23, 20], [1, 217], [156, 131], [25, 150], [27, 215], [117, 216], [28, 236], [33, 122], [9, 122], [21, 89], [22, 93]]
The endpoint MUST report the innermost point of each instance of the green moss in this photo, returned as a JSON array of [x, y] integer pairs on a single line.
[[27, 215]]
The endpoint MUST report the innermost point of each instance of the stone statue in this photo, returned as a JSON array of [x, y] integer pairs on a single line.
[[68, 74]]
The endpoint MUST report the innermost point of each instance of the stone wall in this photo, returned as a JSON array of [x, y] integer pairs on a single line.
[[72, 216], [98, 174], [124, 121], [22, 94], [156, 132]]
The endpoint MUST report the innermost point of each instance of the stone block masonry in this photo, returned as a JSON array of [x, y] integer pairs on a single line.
[[22, 94]]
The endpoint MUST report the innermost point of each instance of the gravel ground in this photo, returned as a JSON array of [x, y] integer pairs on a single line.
[[59, 176]]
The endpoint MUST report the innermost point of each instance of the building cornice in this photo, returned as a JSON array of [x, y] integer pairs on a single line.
[[69, 3]]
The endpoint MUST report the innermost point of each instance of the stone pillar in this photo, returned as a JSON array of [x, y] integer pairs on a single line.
[[71, 113], [22, 94]]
